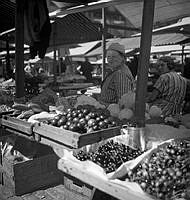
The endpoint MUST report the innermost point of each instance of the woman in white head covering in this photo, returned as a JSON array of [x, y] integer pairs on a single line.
[[120, 80]]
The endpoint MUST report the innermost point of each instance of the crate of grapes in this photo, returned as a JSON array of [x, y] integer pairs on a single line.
[[94, 168], [162, 172], [79, 127]]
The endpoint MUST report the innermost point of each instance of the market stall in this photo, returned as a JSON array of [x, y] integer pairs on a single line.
[[99, 147]]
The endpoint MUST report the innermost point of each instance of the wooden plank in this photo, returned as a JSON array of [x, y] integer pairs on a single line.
[[142, 76], [17, 124], [105, 185], [98, 136], [57, 134], [44, 164], [31, 183], [57, 147], [73, 139]]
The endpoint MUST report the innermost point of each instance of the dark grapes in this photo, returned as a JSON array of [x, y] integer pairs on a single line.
[[110, 156], [166, 174]]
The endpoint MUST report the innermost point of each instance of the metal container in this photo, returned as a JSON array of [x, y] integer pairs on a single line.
[[135, 137]]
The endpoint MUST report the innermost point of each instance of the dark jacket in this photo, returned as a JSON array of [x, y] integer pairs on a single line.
[[37, 27]]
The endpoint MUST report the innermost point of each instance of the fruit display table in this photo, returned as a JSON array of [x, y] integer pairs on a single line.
[[161, 172], [97, 180]]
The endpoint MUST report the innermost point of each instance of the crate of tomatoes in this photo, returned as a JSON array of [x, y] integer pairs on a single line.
[[77, 127]]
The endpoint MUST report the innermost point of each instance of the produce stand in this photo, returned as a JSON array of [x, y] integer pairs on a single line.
[[62, 139]]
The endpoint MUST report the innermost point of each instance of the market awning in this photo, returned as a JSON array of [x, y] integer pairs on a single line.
[[7, 15], [168, 49], [73, 29], [83, 48], [182, 26], [134, 42], [166, 12]]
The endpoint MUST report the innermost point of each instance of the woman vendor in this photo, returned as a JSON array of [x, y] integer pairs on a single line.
[[120, 80], [170, 88]]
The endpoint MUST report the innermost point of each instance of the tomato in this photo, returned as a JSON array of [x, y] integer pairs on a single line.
[[76, 119], [66, 127], [60, 123], [80, 115], [85, 111], [91, 122], [88, 117], [74, 114], [57, 117], [82, 121], [54, 122]]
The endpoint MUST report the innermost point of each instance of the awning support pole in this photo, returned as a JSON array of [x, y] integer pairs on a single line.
[[182, 54], [103, 42], [54, 53], [145, 46], [8, 66], [182, 59], [19, 56]]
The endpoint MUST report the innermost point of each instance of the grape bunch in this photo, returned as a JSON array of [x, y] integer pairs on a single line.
[[110, 156], [166, 174]]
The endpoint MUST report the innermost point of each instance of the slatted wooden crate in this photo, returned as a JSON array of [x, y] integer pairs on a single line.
[[30, 175], [77, 190], [12, 123], [74, 139]]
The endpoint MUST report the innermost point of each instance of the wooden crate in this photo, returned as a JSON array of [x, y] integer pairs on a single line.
[[6, 113], [74, 139], [77, 190], [18, 125], [30, 175]]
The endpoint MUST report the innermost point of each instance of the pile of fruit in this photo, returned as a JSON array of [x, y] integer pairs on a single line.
[[110, 156], [84, 119], [166, 174], [125, 108]]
